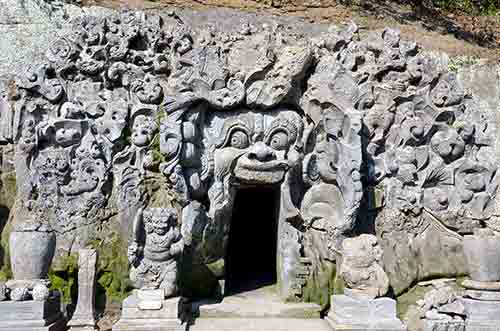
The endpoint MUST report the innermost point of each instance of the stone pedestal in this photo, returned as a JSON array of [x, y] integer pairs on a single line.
[[347, 313], [482, 305], [482, 296], [147, 311], [443, 325], [32, 315]]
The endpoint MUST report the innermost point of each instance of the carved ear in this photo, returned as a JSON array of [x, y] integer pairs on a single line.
[[310, 172]]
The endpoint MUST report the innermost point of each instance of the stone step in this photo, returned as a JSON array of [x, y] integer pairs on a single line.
[[250, 309], [259, 324], [259, 303]]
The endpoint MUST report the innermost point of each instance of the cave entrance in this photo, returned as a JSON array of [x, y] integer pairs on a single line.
[[252, 243]]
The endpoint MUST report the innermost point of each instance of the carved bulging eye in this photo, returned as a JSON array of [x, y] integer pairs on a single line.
[[279, 141], [239, 139]]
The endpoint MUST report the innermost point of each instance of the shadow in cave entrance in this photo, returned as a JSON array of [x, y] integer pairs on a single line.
[[251, 250]]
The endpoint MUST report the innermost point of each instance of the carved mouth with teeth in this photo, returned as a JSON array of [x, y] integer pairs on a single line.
[[253, 171]]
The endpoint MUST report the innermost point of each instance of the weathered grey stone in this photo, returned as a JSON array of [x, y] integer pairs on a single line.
[[3, 291], [259, 324], [480, 310], [261, 303], [84, 316], [166, 318], [154, 252], [360, 267], [483, 257], [32, 315], [483, 295], [444, 325], [349, 313], [124, 98], [481, 286], [31, 253]]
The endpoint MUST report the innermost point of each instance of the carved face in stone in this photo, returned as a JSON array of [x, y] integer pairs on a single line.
[[143, 130], [361, 253], [436, 198], [51, 167], [448, 144], [447, 92], [68, 132], [255, 147], [158, 220]]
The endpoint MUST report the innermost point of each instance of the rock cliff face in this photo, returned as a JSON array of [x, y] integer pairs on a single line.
[[109, 114]]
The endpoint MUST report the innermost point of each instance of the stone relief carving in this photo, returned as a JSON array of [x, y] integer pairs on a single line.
[[361, 267], [131, 96], [154, 253]]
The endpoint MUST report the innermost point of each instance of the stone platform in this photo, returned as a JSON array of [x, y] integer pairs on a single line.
[[352, 314], [259, 324], [32, 315], [260, 303], [149, 315], [257, 310]]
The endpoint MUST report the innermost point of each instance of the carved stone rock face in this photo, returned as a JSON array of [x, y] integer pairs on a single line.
[[255, 147], [143, 130], [132, 104]]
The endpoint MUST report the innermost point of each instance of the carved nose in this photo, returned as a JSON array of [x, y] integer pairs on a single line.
[[261, 152]]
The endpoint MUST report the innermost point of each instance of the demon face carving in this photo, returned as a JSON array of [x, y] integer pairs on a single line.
[[254, 147]]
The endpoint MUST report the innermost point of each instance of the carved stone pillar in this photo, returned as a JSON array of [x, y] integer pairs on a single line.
[[481, 300], [84, 316]]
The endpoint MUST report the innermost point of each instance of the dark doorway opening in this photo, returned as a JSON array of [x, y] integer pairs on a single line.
[[252, 245]]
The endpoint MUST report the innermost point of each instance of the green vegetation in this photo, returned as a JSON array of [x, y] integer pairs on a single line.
[[113, 271], [461, 61], [321, 285], [154, 146], [405, 300], [473, 7], [65, 279], [112, 274]]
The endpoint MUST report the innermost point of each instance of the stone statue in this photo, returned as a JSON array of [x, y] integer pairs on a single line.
[[155, 250], [361, 267], [362, 306]]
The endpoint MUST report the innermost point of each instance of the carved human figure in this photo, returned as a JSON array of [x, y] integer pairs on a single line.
[[361, 267], [155, 249]]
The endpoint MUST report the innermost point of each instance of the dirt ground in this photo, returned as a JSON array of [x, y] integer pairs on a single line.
[[455, 33]]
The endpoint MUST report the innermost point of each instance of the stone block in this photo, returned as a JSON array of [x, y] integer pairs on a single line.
[[348, 313], [32, 315], [483, 257], [149, 325], [135, 317], [481, 311], [443, 325], [483, 295], [493, 325], [482, 315]]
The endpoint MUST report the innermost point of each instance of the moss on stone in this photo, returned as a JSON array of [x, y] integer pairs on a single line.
[[65, 279], [197, 281], [321, 285], [5, 269], [112, 271]]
